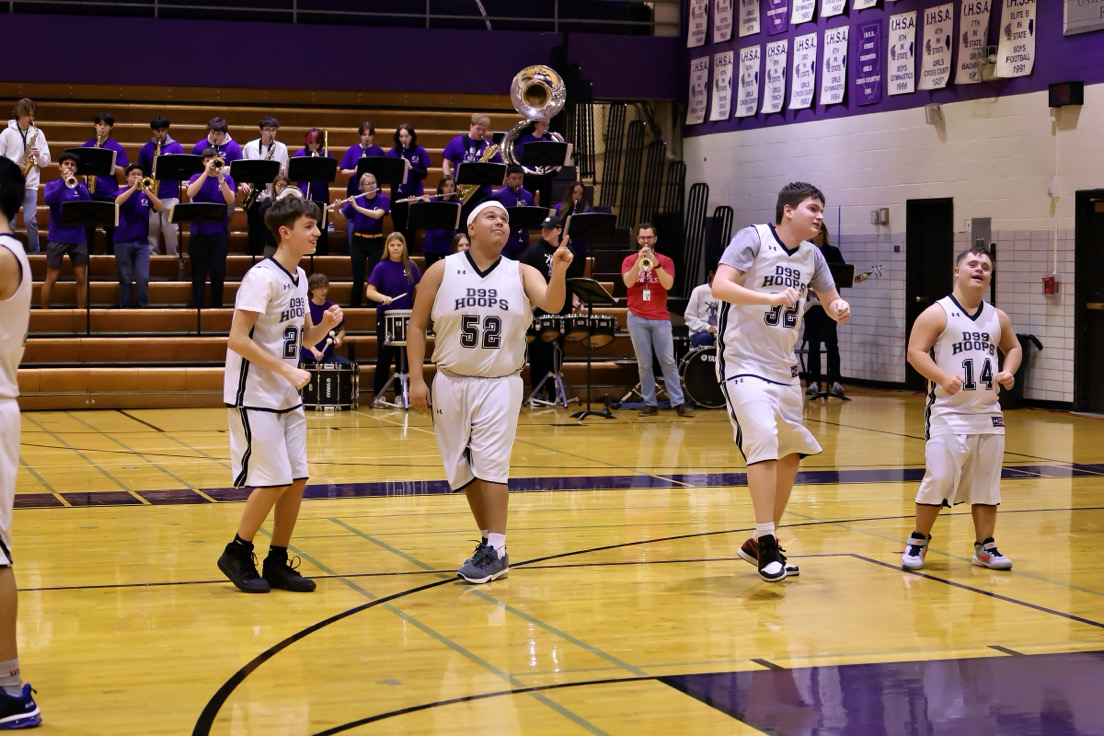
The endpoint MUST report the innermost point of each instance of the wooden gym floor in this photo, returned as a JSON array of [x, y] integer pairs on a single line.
[[626, 611]]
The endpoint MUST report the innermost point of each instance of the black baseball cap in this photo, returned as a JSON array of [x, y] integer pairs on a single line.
[[552, 221]]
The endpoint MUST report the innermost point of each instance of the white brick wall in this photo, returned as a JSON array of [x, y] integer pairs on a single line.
[[997, 157]]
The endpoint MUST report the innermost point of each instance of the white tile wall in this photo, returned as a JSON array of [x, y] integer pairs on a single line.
[[999, 157]]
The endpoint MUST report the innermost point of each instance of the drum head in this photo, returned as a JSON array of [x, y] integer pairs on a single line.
[[699, 378], [601, 331]]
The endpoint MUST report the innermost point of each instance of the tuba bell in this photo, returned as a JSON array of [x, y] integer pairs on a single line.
[[538, 93]]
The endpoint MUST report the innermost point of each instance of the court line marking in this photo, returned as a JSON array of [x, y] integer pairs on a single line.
[[141, 455], [49, 488], [84, 457], [1006, 650], [128, 415]]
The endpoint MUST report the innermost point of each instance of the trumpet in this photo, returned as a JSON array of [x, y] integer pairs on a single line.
[[218, 163], [70, 181], [148, 184], [646, 262]]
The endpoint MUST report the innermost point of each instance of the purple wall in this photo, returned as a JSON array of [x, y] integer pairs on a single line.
[[276, 55], [1058, 58]]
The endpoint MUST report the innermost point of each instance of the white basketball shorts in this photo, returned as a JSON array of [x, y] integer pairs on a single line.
[[962, 468], [766, 419], [9, 467], [476, 422], [267, 448]]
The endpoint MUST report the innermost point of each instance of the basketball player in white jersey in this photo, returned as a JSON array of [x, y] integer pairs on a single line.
[[954, 345], [480, 304], [763, 281], [268, 430], [17, 706]]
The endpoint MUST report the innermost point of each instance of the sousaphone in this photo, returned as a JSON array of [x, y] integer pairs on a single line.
[[538, 93]]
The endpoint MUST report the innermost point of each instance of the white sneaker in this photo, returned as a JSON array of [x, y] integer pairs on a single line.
[[987, 555], [837, 389], [916, 548], [813, 389]]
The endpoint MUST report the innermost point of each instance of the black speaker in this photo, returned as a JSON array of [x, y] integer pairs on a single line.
[[1066, 93]]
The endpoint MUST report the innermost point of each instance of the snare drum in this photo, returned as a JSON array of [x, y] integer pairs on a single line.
[[332, 385], [394, 326], [699, 378], [602, 328], [548, 326]]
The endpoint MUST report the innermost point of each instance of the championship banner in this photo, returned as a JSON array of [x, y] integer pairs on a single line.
[[803, 76], [802, 11], [748, 100], [833, 72], [777, 16], [1016, 48], [749, 17], [973, 34], [722, 20], [935, 69], [699, 76], [699, 19], [722, 86], [868, 76], [829, 8], [774, 92], [863, 4], [902, 54]]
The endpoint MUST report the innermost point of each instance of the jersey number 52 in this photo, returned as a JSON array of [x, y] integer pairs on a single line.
[[787, 318], [491, 333]]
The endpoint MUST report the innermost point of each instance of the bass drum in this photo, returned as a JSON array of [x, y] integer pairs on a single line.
[[698, 371]]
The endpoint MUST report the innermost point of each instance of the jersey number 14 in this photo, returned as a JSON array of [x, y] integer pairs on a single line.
[[968, 375]]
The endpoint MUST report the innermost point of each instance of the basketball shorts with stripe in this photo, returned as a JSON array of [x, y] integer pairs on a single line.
[[267, 448], [962, 468], [766, 419], [9, 467], [476, 420]]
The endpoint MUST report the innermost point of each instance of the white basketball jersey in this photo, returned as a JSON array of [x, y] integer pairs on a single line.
[[480, 318], [966, 348], [754, 339], [280, 301], [15, 316]]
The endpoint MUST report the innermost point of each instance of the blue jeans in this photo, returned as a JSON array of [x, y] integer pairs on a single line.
[[132, 260], [655, 334], [30, 218]]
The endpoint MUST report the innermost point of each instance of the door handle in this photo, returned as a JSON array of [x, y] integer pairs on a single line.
[[1095, 306]]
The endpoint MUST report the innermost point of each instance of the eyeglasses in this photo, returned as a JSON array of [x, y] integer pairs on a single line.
[[645, 237]]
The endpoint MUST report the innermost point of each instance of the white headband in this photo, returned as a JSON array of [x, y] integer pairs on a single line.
[[485, 205]]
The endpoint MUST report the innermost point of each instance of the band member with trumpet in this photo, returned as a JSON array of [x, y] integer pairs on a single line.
[[352, 157], [104, 188], [24, 143], [469, 148], [513, 195], [363, 215], [438, 243], [264, 148], [63, 240], [648, 277], [210, 240], [314, 144], [168, 190], [132, 250], [391, 285]]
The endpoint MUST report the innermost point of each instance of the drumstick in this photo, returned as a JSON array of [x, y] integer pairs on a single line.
[[400, 296]]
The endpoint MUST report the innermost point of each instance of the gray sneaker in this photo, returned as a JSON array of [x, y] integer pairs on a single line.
[[837, 389], [813, 389], [485, 566]]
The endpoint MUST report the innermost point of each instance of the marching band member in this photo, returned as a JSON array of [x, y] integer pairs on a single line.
[[63, 240], [317, 191], [352, 157], [468, 148], [406, 147], [513, 195], [219, 139], [364, 217], [132, 250], [439, 243], [391, 285], [168, 190], [539, 184], [24, 143], [210, 240], [104, 188], [264, 148]]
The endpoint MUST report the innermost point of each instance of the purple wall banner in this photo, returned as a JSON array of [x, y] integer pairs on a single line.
[[868, 65], [777, 16]]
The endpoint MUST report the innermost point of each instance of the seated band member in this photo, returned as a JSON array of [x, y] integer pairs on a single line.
[[364, 217], [318, 286], [701, 314], [210, 240], [438, 243], [23, 140], [391, 285], [406, 147], [104, 188], [264, 148], [63, 240], [513, 195], [467, 148], [132, 250], [352, 157], [317, 191], [168, 190]]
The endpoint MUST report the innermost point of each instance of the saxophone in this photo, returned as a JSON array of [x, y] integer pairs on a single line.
[[29, 159], [254, 190], [153, 173], [467, 190], [92, 179]]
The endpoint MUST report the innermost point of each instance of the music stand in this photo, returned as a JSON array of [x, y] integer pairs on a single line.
[[591, 293], [312, 169], [481, 173], [844, 276], [591, 225], [258, 172], [527, 218], [386, 169], [89, 215], [434, 216], [178, 167], [98, 162], [544, 154]]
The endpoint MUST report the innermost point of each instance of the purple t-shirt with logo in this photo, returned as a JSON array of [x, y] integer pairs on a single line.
[[419, 161], [519, 238], [229, 150], [317, 310], [389, 278], [55, 194], [350, 160], [108, 186], [133, 224], [169, 188], [362, 223], [463, 149], [211, 192]]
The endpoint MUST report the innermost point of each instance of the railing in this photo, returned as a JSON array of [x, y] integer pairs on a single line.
[[657, 17]]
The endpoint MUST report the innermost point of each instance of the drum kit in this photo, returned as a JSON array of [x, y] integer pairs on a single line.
[[697, 370], [395, 322]]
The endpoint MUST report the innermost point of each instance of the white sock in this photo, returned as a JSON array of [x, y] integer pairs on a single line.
[[10, 681], [498, 541], [483, 535], [764, 529]]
